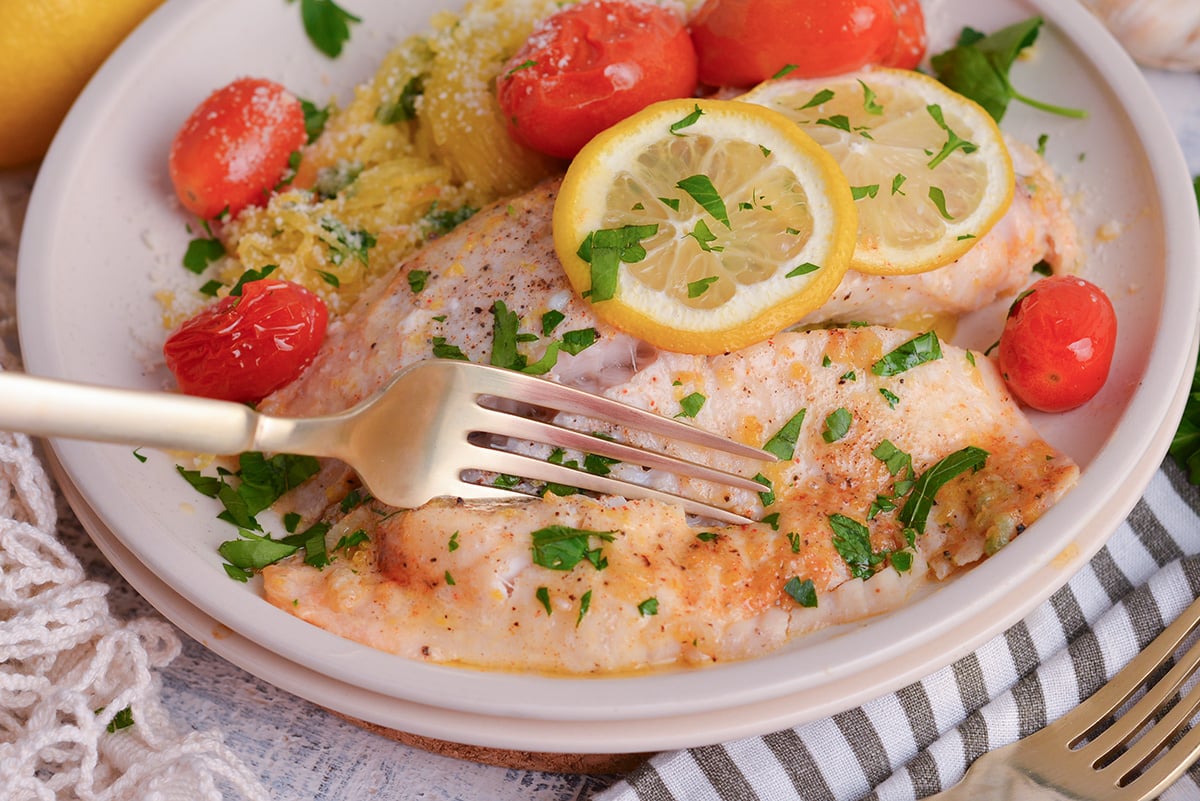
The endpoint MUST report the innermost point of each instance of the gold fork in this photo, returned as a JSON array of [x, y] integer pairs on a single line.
[[409, 443], [1089, 754]]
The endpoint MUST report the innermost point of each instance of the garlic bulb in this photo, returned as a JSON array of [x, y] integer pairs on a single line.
[[1156, 33]]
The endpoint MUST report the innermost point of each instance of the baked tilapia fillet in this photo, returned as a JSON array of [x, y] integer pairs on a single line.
[[897, 478]]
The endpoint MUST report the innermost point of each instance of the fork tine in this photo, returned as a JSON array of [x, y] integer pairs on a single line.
[[487, 380], [537, 431], [1152, 741], [1170, 767], [530, 467], [1109, 698]]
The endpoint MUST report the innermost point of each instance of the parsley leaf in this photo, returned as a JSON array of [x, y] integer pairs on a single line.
[[701, 189], [690, 405], [783, 442], [689, 120], [802, 592], [327, 25], [606, 249], [697, 288], [978, 67], [852, 540], [202, 252], [440, 222], [562, 547], [405, 106], [315, 118], [837, 424], [915, 512], [916, 351]]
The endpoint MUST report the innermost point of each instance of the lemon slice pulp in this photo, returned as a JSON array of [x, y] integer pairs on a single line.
[[928, 167], [703, 226]]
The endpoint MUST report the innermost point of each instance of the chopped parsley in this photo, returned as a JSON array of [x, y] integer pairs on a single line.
[[868, 191], [920, 501], [804, 269], [953, 141], [445, 350], [543, 595], [453, 544], [767, 498], [701, 189], [690, 405], [870, 100], [562, 547], [802, 592], [440, 222], [919, 350], [648, 607], [347, 243], [585, 603], [605, 250], [938, 198], [405, 106], [524, 65], [837, 424], [418, 280], [550, 321], [697, 288], [704, 237], [315, 118], [688, 121], [783, 442], [573, 342], [203, 251], [823, 96]]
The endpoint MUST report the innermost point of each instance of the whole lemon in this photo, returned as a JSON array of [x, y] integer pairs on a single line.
[[51, 48]]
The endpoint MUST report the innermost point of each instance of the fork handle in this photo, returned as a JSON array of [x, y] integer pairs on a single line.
[[52, 408]]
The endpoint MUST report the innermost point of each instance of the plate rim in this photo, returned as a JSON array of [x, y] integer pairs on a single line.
[[1099, 49]]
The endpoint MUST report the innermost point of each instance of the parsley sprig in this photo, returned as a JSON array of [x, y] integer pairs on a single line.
[[978, 67], [1185, 445]]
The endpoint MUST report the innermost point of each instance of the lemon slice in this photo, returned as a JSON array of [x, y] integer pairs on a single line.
[[929, 168], [703, 226]]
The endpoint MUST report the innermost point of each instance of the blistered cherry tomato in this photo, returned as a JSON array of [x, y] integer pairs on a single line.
[[743, 42], [590, 66], [910, 36], [1057, 343], [234, 148], [244, 347]]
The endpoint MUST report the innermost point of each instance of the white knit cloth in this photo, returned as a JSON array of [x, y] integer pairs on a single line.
[[68, 666]]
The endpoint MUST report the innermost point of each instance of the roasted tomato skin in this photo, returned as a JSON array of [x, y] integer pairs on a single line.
[[744, 42], [1057, 345], [911, 39], [244, 347], [590, 66], [235, 146]]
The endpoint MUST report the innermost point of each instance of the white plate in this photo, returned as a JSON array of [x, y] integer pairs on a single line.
[[102, 231]]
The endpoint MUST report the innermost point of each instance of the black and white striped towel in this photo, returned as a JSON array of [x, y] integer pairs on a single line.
[[919, 740]]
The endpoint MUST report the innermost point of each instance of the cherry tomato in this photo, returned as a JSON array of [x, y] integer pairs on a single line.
[[1057, 343], [234, 148], [744, 42], [592, 65], [910, 36], [244, 347]]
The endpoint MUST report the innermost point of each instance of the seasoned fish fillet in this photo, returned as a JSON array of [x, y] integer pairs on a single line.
[[463, 582], [506, 253]]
